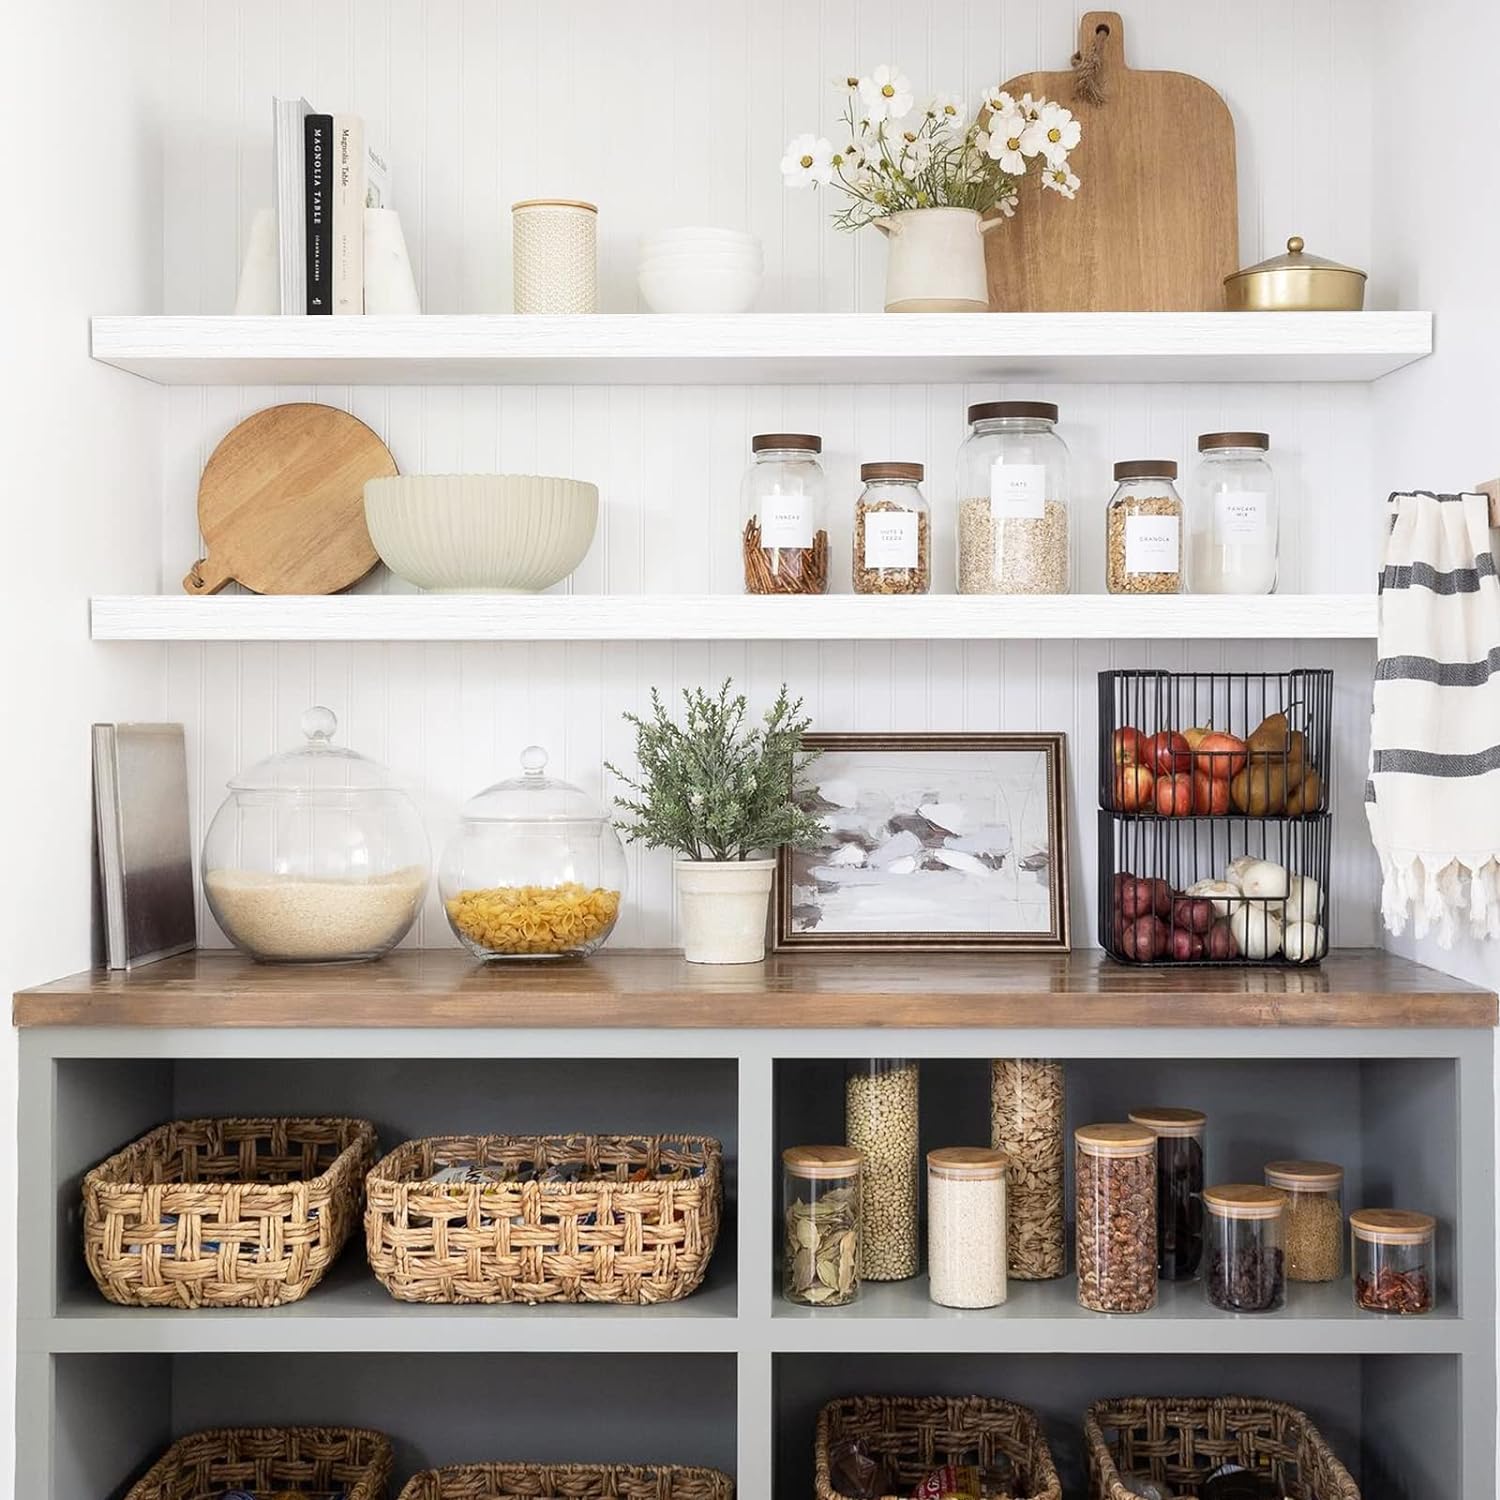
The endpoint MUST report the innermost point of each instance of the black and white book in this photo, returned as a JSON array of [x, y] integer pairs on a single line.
[[318, 184], [288, 160]]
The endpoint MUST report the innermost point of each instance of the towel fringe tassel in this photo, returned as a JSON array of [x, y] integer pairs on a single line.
[[1437, 891]]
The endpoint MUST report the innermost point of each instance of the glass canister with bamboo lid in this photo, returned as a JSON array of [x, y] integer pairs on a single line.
[[820, 1206]]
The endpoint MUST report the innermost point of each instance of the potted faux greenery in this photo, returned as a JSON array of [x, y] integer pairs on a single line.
[[934, 181], [719, 794]]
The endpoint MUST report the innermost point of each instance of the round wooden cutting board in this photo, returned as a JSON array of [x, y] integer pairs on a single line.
[[281, 503]]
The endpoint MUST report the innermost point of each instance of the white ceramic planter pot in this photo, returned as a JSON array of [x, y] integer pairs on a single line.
[[722, 905], [936, 260]]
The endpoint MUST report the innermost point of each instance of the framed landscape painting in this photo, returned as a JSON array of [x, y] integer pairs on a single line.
[[955, 841]]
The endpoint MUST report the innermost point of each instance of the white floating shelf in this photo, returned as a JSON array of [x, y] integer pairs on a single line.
[[777, 348], [728, 617]]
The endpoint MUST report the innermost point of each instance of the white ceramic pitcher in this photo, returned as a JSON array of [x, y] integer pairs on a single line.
[[936, 260]]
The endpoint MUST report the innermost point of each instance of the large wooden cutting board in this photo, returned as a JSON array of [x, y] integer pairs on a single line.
[[1155, 225], [281, 503]]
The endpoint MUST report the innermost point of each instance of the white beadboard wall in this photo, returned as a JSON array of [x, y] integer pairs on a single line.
[[676, 113]]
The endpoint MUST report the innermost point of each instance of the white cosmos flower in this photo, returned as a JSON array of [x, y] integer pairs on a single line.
[[1030, 107], [1007, 142], [1060, 180], [808, 160], [948, 111], [1008, 204], [1053, 133], [886, 93], [997, 101]]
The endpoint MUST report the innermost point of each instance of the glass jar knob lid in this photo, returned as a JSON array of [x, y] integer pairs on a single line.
[[320, 724], [317, 765]]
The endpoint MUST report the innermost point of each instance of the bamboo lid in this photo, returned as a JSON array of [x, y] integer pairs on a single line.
[[1392, 1226], [1244, 1200], [971, 1162], [1115, 1140], [1304, 1176], [592, 208], [822, 1161], [1169, 1121]]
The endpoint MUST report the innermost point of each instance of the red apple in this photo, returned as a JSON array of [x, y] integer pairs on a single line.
[[1220, 942], [1210, 795], [1174, 796], [1133, 788], [1127, 746], [1221, 755], [1167, 753], [1193, 914]]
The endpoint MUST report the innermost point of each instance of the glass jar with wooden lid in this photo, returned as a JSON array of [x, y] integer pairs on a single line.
[[1314, 1219], [1233, 519], [784, 542], [820, 1205], [966, 1249], [1179, 1187], [892, 531], [1143, 529], [1244, 1257], [880, 1121], [1393, 1261], [1114, 1225]]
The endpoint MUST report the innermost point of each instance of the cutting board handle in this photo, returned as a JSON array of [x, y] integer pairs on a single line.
[[205, 577], [1100, 56]]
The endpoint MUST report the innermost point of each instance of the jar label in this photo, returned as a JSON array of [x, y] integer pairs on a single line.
[[1241, 516], [890, 539], [1152, 544], [786, 521], [1018, 492]]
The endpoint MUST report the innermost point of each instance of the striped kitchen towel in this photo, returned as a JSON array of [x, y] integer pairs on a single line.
[[1433, 797]]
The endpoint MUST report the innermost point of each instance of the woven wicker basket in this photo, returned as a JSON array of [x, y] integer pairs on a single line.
[[1180, 1441], [574, 1481], [225, 1213], [608, 1241], [270, 1459], [916, 1434]]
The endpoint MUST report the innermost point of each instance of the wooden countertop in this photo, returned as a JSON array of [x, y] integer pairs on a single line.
[[445, 988]]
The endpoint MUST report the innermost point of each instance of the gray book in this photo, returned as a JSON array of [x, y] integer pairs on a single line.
[[145, 851]]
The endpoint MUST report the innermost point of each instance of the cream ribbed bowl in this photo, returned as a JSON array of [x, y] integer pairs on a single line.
[[481, 533]]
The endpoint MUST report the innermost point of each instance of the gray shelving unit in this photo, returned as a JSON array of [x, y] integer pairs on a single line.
[[733, 1377]]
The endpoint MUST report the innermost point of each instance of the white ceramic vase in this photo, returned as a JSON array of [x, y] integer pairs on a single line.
[[936, 260], [722, 905]]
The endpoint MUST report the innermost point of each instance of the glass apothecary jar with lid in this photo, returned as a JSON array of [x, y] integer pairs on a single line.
[[1244, 1257], [1027, 1103], [1143, 529], [318, 855], [1393, 1261], [892, 531], [535, 870], [880, 1121], [1013, 501], [1314, 1217], [1233, 517], [784, 501], [966, 1249], [1179, 1188], [1114, 1169], [820, 1210]]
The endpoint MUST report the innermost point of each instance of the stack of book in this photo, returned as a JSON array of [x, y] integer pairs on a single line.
[[327, 174]]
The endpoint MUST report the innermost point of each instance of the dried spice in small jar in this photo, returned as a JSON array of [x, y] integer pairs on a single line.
[[1143, 529], [892, 531], [1179, 1188], [1393, 1264], [880, 1121], [820, 1205], [785, 540], [1026, 1123], [1115, 1217], [1314, 1217], [1245, 1269]]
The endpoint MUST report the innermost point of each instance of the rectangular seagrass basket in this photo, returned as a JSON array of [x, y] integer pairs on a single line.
[[575, 1481], [225, 1213], [270, 1460], [917, 1434], [603, 1241], [1180, 1441]]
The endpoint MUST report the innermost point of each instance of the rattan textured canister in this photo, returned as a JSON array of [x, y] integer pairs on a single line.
[[555, 257], [1178, 1441], [916, 1434], [610, 1239], [225, 1213], [270, 1460], [575, 1481]]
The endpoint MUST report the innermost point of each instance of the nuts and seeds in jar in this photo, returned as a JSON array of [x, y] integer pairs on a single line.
[[892, 531], [1013, 501], [880, 1121], [1143, 529], [1026, 1122], [1244, 1260], [1115, 1217], [1393, 1262], [1232, 516], [785, 538], [1179, 1188], [1313, 1218], [966, 1226], [820, 1206]]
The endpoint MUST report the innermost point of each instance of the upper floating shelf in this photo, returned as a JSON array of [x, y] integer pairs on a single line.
[[764, 348]]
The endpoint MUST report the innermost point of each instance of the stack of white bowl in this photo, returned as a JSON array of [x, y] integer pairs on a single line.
[[700, 270]]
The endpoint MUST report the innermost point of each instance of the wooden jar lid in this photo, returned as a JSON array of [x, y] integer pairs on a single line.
[[1115, 1140], [1244, 1200], [1170, 1121], [971, 1162], [822, 1161], [1392, 1226], [1305, 1176]]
